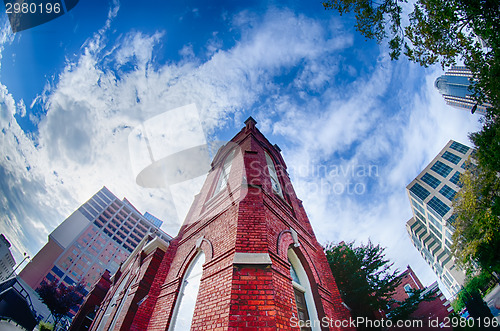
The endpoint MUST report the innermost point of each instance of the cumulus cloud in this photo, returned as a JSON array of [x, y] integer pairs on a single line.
[[287, 70], [351, 160], [114, 86]]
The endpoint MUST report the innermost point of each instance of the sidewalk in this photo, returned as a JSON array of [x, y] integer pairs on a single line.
[[10, 326], [493, 301]]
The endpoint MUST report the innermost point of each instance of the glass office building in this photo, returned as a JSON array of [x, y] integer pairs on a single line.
[[431, 227], [454, 87]]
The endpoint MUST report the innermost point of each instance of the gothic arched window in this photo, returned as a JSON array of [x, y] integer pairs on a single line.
[[113, 303], [186, 300], [306, 309], [274, 176], [224, 173]]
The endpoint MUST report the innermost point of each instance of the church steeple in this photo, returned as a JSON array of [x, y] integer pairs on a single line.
[[251, 231]]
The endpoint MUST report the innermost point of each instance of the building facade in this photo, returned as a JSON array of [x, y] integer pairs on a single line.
[[98, 236], [431, 313], [7, 261], [431, 227], [246, 257], [454, 87]]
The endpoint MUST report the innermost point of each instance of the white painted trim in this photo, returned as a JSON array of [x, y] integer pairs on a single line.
[[306, 286], [252, 258]]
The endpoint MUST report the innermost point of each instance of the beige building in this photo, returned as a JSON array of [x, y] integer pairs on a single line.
[[7, 261], [431, 227]]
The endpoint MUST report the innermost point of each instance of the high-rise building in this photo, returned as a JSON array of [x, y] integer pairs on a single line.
[[454, 87], [98, 236], [431, 227], [7, 261], [245, 258]]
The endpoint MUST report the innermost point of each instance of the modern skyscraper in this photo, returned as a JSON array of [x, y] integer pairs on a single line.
[[431, 226], [99, 235], [7, 261], [454, 87], [246, 258]]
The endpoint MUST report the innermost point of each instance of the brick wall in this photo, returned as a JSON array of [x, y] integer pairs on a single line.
[[245, 232]]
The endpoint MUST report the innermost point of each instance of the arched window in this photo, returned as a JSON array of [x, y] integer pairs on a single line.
[[112, 305], [224, 174], [186, 301], [306, 309], [274, 176]]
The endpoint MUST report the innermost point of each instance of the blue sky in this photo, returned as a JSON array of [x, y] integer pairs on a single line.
[[354, 127]]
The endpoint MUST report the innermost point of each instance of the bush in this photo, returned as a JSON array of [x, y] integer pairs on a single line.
[[45, 326]]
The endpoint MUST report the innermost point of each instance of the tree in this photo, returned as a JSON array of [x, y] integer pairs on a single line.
[[478, 284], [402, 311], [363, 277], [476, 239], [60, 298], [437, 31]]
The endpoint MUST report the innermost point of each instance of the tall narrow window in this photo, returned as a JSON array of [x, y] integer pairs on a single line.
[[224, 174], [186, 301], [306, 309], [112, 304], [303, 315], [274, 176]]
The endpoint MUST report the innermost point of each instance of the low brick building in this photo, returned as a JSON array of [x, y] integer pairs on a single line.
[[246, 257], [432, 313]]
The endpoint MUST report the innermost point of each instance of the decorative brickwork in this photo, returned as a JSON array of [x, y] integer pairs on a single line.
[[245, 225]]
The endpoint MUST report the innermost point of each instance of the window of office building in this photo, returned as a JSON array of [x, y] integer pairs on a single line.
[[441, 169], [459, 147], [455, 179], [430, 180], [447, 192], [417, 206], [451, 157], [436, 223], [419, 191], [440, 207], [57, 271]]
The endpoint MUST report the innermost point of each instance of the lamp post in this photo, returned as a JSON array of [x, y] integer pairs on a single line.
[[26, 256]]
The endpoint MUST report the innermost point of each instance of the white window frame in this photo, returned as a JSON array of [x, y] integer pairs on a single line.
[[275, 183], [408, 289], [305, 287], [198, 261], [224, 173]]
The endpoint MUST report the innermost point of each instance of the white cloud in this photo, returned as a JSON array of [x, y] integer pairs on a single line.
[[399, 138], [92, 108], [82, 142]]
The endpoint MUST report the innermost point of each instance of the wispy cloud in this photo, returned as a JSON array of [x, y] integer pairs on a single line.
[[286, 69], [113, 86], [345, 137]]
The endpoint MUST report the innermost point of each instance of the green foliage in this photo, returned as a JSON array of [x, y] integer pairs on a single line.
[[487, 142], [438, 31], [42, 326], [476, 239], [363, 276], [60, 298], [403, 310], [477, 285]]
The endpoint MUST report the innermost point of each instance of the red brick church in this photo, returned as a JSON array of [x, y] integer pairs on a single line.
[[246, 258]]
